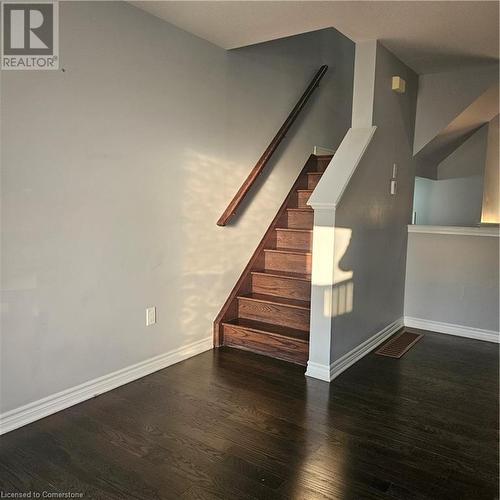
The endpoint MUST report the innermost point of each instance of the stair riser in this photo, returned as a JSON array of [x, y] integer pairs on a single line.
[[281, 287], [302, 198], [321, 165], [276, 314], [294, 239], [312, 181], [300, 220], [294, 263], [268, 345]]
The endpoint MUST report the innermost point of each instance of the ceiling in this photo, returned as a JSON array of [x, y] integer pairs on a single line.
[[429, 36]]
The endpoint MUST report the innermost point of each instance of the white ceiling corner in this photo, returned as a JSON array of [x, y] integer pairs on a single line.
[[429, 36]]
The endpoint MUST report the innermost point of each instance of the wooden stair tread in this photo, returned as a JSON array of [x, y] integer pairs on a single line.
[[293, 229], [273, 299], [288, 250], [268, 311], [284, 274], [270, 329]]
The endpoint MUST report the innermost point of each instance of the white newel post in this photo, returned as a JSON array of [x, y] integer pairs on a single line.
[[322, 280]]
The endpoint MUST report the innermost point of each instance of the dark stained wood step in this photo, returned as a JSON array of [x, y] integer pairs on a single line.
[[294, 238], [270, 299], [284, 274], [270, 329], [307, 209], [281, 311], [323, 157], [300, 218], [313, 179], [302, 197], [275, 286], [289, 250], [322, 162], [283, 259], [268, 339], [281, 285]]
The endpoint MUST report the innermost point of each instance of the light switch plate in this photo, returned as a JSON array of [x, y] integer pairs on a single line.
[[150, 316]]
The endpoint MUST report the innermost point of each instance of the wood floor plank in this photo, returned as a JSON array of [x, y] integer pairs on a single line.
[[232, 424]]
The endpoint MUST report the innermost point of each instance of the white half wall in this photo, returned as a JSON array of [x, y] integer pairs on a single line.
[[359, 249], [452, 281], [326, 278], [370, 223]]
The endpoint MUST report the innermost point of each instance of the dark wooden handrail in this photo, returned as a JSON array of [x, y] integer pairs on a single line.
[[264, 159]]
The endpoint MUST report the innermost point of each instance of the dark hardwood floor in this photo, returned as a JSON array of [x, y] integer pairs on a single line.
[[234, 425]]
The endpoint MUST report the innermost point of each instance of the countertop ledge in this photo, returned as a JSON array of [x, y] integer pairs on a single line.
[[492, 231]]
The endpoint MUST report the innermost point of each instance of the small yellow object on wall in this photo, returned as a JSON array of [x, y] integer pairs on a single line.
[[398, 85]]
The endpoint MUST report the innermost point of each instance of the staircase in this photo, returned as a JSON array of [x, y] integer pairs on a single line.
[[268, 310]]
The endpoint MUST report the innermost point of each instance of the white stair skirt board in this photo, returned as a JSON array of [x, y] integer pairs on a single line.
[[56, 402], [328, 373], [451, 329]]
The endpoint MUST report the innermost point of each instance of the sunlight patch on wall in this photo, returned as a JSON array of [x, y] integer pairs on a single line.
[[207, 256], [211, 258], [330, 273], [323, 244]]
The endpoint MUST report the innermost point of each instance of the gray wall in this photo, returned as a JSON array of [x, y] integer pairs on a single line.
[[373, 246], [468, 159], [453, 279], [114, 173], [448, 202]]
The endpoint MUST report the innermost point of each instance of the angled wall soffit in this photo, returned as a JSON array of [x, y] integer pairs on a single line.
[[480, 112]]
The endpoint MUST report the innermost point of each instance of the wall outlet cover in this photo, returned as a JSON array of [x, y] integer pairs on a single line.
[[150, 316]]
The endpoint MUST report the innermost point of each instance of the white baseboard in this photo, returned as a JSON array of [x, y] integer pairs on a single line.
[[319, 371], [56, 402], [328, 373], [452, 329], [347, 360]]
